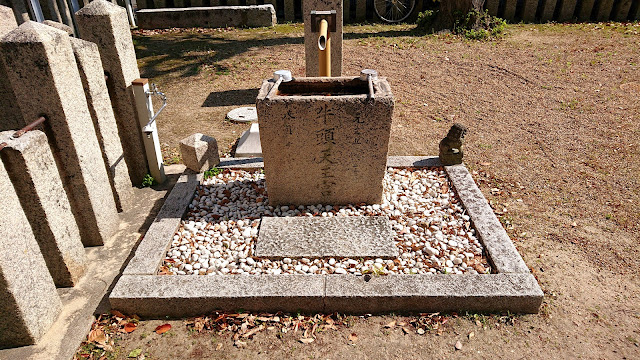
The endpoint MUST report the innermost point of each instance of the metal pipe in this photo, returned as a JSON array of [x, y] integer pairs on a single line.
[[22, 131], [324, 49]]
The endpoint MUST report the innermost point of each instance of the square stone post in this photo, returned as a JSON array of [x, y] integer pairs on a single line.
[[29, 302], [106, 24], [43, 74], [33, 172], [311, 38], [9, 112], [95, 89]]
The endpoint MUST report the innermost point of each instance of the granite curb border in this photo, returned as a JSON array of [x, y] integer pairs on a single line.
[[512, 288]]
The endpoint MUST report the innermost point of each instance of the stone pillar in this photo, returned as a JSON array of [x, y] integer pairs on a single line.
[[29, 302], [32, 169], [311, 38], [43, 74], [604, 10], [95, 89], [9, 111], [569, 6], [107, 25]]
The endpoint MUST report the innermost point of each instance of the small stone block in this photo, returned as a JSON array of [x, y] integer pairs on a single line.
[[249, 143], [199, 152], [353, 236]]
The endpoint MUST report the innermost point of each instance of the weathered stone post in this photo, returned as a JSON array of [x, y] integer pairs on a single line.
[[29, 302], [311, 38], [43, 74], [95, 89], [33, 172], [106, 24], [9, 112]]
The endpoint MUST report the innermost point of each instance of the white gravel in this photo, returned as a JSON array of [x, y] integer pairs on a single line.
[[433, 232]]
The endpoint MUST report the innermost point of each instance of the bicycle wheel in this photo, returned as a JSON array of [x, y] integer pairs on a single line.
[[393, 11]]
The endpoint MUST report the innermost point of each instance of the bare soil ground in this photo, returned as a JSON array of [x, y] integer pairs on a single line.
[[553, 117]]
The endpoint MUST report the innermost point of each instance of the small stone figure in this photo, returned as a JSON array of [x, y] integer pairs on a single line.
[[451, 145]]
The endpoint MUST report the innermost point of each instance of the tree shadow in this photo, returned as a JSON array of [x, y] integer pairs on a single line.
[[231, 97], [188, 54]]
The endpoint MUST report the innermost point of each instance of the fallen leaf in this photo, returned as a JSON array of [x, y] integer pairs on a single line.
[[307, 340], [97, 336], [485, 163], [420, 331], [135, 353], [130, 327], [353, 337], [471, 334], [253, 331], [163, 329], [218, 347], [405, 330], [117, 313], [391, 324], [458, 345], [240, 344]]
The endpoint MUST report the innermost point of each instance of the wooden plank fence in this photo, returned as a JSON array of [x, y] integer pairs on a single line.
[[512, 10], [356, 11]]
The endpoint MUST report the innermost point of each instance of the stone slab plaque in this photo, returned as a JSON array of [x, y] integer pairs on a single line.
[[313, 237]]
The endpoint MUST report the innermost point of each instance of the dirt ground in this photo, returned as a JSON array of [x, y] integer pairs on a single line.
[[553, 117]]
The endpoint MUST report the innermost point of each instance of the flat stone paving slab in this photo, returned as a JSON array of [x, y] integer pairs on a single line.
[[353, 236]]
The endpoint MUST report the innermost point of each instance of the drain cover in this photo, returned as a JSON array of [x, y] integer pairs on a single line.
[[243, 114]]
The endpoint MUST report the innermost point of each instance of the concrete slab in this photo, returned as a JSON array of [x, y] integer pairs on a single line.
[[180, 296], [518, 293], [503, 254], [313, 237], [249, 143], [150, 252]]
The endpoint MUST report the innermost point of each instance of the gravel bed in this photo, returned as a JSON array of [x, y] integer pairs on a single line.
[[432, 231]]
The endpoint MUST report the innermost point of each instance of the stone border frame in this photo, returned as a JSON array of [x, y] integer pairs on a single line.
[[511, 288]]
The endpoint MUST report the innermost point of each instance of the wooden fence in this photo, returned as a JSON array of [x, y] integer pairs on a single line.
[[512, 10]]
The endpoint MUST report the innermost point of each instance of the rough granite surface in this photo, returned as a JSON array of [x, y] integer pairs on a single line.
[[352, 236], [321, 149], [29, 302], [107, 25], [30, 163], [199, 152], [95, 89], [10, 118], [211, 17], [40, 64]]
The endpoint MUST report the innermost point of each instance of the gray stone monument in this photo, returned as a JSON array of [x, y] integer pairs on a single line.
[[9, 112], [42, 71], [95, 88], [107, 25], [311, 38], [29, 302], [32, 169], [325, 140]]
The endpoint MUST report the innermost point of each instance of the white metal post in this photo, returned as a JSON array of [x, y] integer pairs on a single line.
[[144, 107]]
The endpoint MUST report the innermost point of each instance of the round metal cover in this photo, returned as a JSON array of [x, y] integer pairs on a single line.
[[243, 114]]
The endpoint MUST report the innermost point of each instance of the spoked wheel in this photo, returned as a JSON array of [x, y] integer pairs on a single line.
[[393, 11]]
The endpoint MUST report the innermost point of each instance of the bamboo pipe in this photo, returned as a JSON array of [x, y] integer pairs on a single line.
[[324, 49]]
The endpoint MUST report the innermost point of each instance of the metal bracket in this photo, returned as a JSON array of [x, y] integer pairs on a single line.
[[329, 15], [154, 91]]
